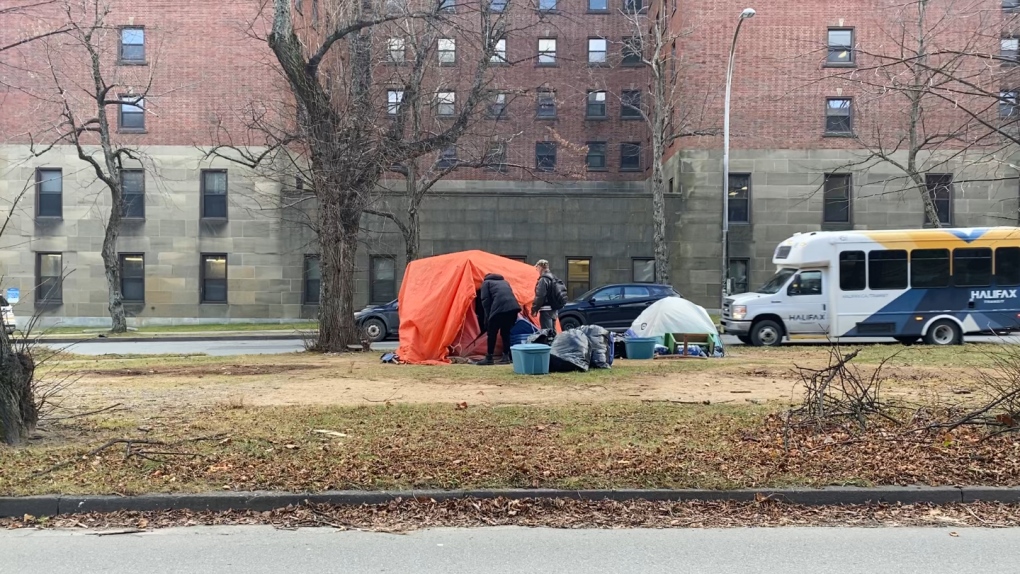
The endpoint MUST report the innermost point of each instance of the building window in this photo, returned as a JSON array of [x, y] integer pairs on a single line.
[[547, 5], [518, 258], [545, 156], [578, 277], [495, 156], [447, 157], [630, 156], [132, 45], [1008, 49], [841, 46], [740, 198], [132, 277], [940, 190], [214, 278], [393, 100], [132, 114], [214, 194], [313, 279], [546, 104], [49, 191], [597, 50], [738, 276], [1008, 104], [383, 280], [547, 51], [497, 5], [598, 5], [447, 5], [49, 278], [838, 117], [596, 105], [633, 6], [631, 51], [396, 50], [596, 158], [132, 187], [446, 103], [630, 104], [837, 198], [670, 185], [497, 106], [1010, 5], [499, 52], [643, 270], [447, 51]]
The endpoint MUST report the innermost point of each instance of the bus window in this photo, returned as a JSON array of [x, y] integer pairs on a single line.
[[972, 267], [929, 268], [806, 283], [851, 271], [887, 269], [1007, 266]]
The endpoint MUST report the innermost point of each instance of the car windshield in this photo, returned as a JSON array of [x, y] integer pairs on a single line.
[[587, 295], [777, 281]]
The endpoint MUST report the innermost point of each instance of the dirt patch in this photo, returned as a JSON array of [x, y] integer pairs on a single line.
[[200, 370]]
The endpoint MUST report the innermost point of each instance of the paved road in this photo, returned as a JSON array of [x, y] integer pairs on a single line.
[[257, 550], [264, 347]]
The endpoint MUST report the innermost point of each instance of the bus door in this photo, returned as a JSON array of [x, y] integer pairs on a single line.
[[807, 304]]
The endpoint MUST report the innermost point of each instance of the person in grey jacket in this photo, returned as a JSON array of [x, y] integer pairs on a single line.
[[550, 296], [501, 309]]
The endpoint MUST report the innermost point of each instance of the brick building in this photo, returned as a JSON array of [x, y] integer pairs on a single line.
[[201, 246]]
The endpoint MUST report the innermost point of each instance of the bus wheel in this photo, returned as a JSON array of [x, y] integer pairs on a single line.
[[907, 340], [943, 332], [766, 334]]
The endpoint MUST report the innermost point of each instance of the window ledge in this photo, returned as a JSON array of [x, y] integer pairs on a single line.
[[500, 63], [632, 64], [839, 65], [215, 220], [631, 118], [839, 135], [598, 169], [127, 219], [546, 118], [49, 218], [599, 65], [731, 222], [448, 64], [595, 118], [213, 303], [630, 169], [49, 302], [132, 62], [552, 65], [590, 11], [132, 131], [552, 11]]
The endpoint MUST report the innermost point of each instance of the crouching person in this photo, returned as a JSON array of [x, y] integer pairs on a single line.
[[501, 310]]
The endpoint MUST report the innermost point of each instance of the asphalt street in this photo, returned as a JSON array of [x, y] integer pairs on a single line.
[[274, 346], [258, 550]]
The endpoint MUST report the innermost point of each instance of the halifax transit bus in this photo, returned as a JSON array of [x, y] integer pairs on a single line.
[[935, 285]]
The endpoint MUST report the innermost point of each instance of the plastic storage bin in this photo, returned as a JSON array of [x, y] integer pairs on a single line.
[[641, 347], [531, 359]]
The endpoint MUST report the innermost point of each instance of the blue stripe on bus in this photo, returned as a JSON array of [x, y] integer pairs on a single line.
[[928, 303]]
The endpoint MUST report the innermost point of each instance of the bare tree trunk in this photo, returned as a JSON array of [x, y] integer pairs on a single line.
[[18, 414], [662, 269], [413, 235], [339, 245], [111, 265]]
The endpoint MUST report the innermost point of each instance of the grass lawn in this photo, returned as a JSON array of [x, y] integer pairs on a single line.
[[644, 424]]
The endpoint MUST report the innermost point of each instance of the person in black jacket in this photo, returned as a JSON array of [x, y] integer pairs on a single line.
[[548, 300], [501, 310]]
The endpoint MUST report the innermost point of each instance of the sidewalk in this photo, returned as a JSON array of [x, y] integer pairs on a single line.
[[184, 336]]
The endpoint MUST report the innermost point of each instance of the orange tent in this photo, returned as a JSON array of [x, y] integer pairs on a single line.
[[437, 303]]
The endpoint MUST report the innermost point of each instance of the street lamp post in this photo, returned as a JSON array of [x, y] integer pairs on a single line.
[[747, 13]]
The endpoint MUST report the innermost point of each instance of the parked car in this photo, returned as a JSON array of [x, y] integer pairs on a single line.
[[379, 321], [613, 306], [8, 315]]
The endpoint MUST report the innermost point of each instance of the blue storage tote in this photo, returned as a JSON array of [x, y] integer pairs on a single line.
[[520, 332], [531, 359], [641, 347]]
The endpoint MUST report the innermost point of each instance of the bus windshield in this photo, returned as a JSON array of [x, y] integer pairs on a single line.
[[777, 281]]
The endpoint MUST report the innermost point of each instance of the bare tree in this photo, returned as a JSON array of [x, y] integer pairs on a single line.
[[672, 110], [26, 20], [353, 118], [86, 91], [920, 98]]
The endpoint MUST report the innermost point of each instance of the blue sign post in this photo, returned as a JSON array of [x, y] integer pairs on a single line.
[[13, 295]]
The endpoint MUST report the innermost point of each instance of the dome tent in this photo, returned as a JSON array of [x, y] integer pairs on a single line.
[[675, 315]]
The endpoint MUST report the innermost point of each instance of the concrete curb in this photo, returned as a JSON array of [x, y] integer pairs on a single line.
[[50, 505], [61, 340]]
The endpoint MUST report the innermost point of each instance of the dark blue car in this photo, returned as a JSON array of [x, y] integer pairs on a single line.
[[613, 306], [379, 322]]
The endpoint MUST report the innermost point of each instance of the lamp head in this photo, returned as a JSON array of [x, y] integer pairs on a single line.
[[747, 13]]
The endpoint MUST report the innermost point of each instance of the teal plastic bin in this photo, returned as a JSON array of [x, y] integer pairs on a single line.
[[641, 347], [531, 359]]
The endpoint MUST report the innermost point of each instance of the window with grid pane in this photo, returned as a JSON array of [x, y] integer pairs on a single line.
[[630, 104], [596, 158], [1009, 49], [940, 190], [596, 107], [447, 51], [214, 194], [396, 49], [631, 51], [546, 51], [838, 116], [132, 114], [132, 45], [578, 277], [382, 286], [214, 278], [132, 277], [499, 52], [132, 185], [546, 104], [545, 156], [643, 270], [49, 189], [446, 103], [497, 106], [630, 156], [393, 100], [837, 198], [49, 278], [841, 43], [313, 279], [447, 157], [740, 198], [597, 49]]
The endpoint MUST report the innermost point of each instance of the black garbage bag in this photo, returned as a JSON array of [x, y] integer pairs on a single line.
[[570, 352], [598, 339], [543, 337]]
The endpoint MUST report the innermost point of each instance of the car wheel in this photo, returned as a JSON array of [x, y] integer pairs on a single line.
[[944, 332], [568, 323], [907, 340], [766, 334], [745, 339], [375, 330]]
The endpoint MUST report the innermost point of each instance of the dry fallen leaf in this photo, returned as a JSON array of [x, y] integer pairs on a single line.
[[461, 406]]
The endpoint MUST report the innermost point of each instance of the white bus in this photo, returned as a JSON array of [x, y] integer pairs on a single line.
[[932, 284]]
